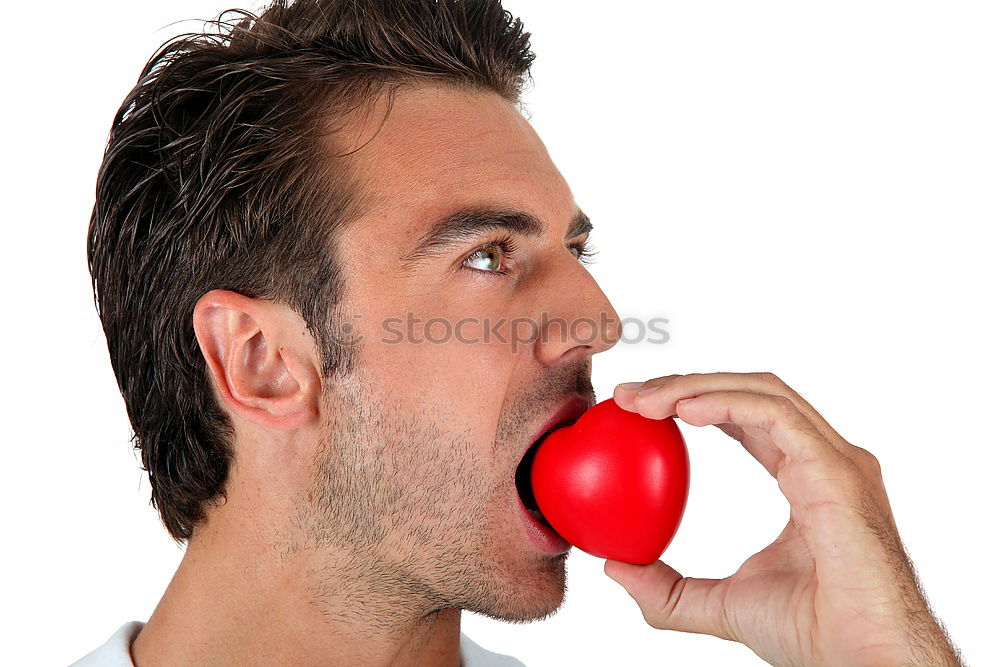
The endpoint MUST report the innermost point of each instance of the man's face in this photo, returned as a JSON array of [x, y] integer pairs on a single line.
[[415, 473]]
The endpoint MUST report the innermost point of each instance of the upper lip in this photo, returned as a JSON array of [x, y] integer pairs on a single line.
[[569, 409]]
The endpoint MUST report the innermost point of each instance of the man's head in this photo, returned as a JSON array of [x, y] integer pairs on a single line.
[[317, 237]]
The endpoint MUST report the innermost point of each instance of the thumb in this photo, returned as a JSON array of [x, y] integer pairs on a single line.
[[669, 601]]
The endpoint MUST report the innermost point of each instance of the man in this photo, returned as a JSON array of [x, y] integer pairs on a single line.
[[288, 212]]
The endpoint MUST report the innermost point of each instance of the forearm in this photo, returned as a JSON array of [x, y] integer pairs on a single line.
[[922, 639], [929, 644]]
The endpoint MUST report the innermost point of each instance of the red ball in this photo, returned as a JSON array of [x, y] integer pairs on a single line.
[[614, 484]]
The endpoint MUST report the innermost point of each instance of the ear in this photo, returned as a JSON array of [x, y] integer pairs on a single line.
[[260, 356]]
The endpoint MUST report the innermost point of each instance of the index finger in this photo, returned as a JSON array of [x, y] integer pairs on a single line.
[[667, 390], [790, 436]]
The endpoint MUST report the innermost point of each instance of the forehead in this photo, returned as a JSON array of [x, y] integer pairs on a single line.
[[440, 149]]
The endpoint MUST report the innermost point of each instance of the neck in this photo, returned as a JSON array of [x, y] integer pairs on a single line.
[[239, 598]]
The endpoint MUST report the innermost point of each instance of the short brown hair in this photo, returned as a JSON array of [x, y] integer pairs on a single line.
[[214, 177]]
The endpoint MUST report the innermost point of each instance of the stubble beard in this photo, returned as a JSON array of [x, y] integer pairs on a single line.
[[399, 524]]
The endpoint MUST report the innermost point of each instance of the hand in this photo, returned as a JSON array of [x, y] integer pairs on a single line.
[[836, 587]]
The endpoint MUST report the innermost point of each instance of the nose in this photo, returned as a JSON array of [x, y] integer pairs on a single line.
[[578, 320]]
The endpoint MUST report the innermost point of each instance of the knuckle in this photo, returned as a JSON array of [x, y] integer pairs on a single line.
[[786, 407], [661, 616], [866, 460], [782, 413], [659, 381], [653, 617], [653, 620], [770, 378]]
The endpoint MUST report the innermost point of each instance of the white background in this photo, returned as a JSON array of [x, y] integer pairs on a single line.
[[806, 188]]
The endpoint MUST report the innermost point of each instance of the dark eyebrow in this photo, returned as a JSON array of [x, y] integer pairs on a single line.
[[473, 222]]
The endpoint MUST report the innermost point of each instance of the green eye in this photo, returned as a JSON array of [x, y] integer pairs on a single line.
[[489, 258]]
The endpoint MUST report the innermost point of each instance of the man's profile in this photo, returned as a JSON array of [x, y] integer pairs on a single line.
[[273, 192]]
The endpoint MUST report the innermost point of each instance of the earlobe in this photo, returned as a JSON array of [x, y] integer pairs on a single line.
[[261, 369]]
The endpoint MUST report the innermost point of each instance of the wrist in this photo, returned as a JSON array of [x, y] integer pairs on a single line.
[[921, 641]]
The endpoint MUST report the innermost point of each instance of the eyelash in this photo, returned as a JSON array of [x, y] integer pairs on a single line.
[[508, 246]]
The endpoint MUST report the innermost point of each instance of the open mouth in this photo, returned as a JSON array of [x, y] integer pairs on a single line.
[[522, 476]]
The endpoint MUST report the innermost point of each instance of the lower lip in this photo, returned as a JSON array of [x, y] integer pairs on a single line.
[[541, 535]]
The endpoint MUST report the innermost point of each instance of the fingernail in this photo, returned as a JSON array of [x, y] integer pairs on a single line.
[[685, 400], [630, 386], [648, 390]]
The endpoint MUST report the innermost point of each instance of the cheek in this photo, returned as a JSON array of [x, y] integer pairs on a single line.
[[425, 373], [456, 352], [473, 379]]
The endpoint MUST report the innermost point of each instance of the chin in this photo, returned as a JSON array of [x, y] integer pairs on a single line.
[[533, 596]]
